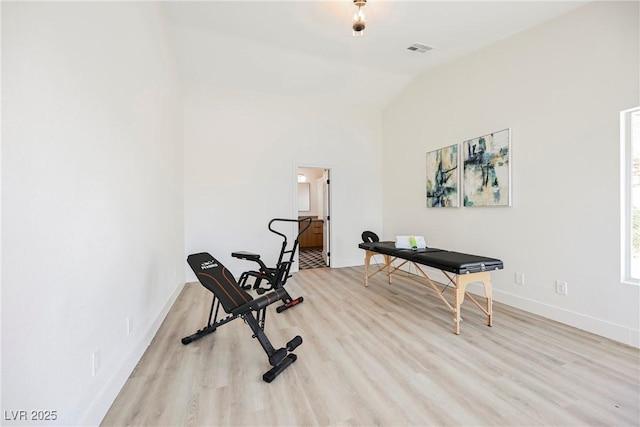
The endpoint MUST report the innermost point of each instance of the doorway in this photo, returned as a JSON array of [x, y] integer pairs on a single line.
[[314, 201]]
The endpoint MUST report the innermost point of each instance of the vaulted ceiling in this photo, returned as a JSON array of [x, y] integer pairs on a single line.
[[306, 48]]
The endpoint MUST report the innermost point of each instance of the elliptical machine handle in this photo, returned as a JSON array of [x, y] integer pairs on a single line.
[[299, 221]]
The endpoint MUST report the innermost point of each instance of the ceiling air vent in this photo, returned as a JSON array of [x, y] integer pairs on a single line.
[[420, 48]]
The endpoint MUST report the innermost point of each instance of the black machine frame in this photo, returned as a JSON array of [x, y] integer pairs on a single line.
[[238, 303], [277, 276]]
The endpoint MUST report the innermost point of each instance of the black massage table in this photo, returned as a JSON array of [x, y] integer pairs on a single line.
[[459, 268]]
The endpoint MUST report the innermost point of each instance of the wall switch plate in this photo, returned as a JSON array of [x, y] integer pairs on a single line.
[[561, 287], [129, 325], [520, 279]]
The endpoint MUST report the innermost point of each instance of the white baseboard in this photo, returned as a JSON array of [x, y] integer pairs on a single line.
[[105, 398], [603, 328]]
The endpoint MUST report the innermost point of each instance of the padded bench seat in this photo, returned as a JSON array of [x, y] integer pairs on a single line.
[[456, 262], [459, 268], [453, 262]]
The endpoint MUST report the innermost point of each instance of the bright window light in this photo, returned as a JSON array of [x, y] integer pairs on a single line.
[[630, 189]]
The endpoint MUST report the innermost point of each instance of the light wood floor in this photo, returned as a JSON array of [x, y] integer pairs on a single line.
[[383, 355]]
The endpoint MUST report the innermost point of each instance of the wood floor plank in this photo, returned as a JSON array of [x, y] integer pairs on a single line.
[[382, 355]]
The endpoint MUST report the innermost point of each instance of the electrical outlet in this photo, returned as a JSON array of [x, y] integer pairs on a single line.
[[561, 287], [95, 358], [520, 279]]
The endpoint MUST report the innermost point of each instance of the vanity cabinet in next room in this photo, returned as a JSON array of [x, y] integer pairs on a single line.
[[312, 237]]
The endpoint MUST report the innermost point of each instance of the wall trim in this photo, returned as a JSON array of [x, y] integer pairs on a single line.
[[600, 327], [603, 328], [105, 398]]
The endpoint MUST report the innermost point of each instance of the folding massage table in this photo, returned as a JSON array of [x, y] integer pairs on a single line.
[[236, 302], [459, 268]]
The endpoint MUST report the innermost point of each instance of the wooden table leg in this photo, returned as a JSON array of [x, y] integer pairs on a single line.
[[458, 299], [387, 260], [367, 260], [462, 280], [489, 294]]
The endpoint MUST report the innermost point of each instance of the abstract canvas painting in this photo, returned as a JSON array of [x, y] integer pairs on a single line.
[[487, 170], [443, 178]]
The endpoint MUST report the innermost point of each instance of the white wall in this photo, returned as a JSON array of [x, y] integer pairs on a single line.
[[92, 180], [92, 227], [560, 88], [242, 150]]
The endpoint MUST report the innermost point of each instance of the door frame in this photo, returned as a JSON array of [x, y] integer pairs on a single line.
[[295, 203]]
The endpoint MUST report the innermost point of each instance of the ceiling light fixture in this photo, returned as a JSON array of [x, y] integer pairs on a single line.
[[359, 19]]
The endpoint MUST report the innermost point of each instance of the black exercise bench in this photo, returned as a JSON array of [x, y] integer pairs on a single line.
[[236, 302]]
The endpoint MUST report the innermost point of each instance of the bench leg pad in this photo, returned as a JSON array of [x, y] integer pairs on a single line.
[[272, 373]]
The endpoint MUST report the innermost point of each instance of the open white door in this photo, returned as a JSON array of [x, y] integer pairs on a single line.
[[326, 216]]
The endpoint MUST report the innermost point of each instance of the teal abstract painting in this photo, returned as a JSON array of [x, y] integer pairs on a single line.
[[487, 170], [442, 178]]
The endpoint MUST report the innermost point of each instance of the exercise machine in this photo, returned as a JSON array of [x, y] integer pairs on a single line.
[[236, 302], [275, 277]]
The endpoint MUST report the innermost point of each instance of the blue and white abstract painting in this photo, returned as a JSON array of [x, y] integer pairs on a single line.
[[487, 170], [442, 178]]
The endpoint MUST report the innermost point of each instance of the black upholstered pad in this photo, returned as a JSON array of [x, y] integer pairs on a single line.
[[386, 248], [389, 248], [370, 236], [246, 255], [410, 254], [262, 301], [215, 277], [456, 262]]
